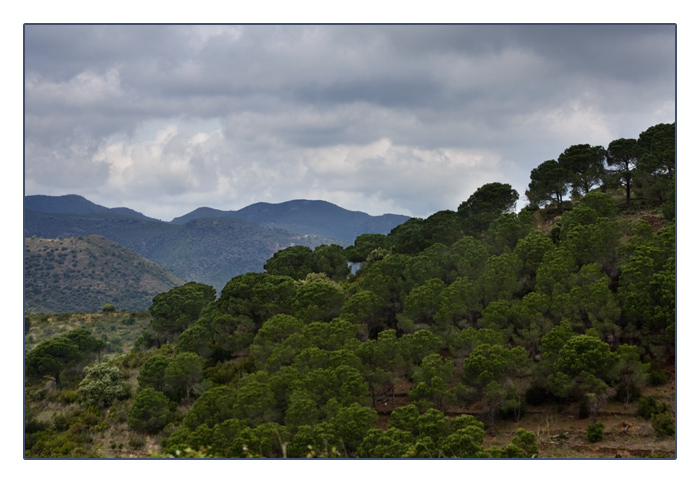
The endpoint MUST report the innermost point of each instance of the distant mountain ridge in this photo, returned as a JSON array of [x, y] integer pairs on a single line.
[[303, 217], [74, 204], [207, 245], [306, 217]]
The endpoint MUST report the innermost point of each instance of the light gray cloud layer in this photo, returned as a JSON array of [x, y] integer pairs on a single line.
[[407, 119]]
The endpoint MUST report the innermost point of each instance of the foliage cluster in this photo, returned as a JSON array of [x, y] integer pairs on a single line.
[[594, 432], [643, 169]]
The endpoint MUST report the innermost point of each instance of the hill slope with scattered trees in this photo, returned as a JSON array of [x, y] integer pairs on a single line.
[[451, 326], [83, 274]]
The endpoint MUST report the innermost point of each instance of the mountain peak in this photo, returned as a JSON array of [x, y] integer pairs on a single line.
[[75, 205], [61, 204]]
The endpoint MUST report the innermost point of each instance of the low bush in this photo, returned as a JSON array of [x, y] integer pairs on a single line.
[[136, 442], [649, 406], [664, 423], [594, 432], [106, 308]]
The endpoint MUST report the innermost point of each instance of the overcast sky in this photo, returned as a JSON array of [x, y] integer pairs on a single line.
[[384, 119]]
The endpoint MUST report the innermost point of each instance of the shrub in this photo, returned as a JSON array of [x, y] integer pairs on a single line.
[[67, 444], [103, 384], [657, 377], [526, 441], [621, 393], [594, 432], [67, 396], [118, 412], [649, 406], [136, 442], [664, 423], [150, 412], [132, 360], [660, 454], [93, 418], [106, 308]]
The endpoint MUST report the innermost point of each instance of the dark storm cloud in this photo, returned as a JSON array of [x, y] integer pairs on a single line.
[[409, 118]]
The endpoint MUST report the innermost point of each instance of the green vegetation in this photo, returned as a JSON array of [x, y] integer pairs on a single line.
[[89, 274], [594, 432], [102, 385], [150, 411], [67, 352], [118, 330], [451, 336]]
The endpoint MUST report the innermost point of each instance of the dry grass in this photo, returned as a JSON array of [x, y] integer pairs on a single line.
[[560, 434]]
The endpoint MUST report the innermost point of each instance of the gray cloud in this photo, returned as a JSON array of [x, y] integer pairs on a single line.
[[403, 118]]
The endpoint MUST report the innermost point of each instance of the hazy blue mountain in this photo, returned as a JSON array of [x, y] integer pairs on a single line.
[[74, 204], [208, 246], [203, 212], [306, 217]]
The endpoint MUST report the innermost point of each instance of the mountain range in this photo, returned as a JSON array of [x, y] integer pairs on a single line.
[[206, 245], [306, 217]]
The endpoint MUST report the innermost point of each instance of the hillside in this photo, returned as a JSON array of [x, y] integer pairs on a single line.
[[559, 432], [119, 330], [138, 234], [214, 250], [82, 274]]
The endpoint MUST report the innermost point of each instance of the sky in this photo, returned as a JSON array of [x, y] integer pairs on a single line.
[[406, 119]]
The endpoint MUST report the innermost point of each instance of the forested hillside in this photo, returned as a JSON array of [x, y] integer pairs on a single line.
[[474, 333]]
